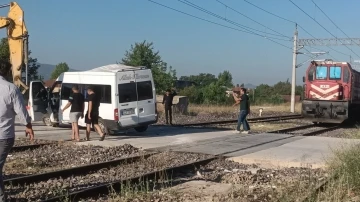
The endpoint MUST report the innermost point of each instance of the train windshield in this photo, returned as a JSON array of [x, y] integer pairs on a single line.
[[335, 73], [321, 72]]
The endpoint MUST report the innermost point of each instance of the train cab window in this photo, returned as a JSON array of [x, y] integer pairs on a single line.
[[346, 75], [321, 72], [335, 73], [311, 73]]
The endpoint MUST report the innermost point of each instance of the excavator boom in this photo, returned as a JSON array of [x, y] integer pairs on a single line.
[[18, 41]]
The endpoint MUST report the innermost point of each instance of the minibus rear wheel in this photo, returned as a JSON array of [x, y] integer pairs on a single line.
[[141, 129], [103, 126]]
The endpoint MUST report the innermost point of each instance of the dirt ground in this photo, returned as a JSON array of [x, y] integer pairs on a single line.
[[227, 181]]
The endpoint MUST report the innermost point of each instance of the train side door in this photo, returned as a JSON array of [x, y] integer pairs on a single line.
[[38, 100]]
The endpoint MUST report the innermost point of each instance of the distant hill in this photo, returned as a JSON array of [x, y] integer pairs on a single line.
[[45, 70]]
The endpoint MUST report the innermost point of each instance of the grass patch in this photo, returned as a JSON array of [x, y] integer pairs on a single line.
[[353, 134], [345, 165]]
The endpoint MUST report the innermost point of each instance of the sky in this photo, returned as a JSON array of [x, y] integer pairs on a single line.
[[89, 34]]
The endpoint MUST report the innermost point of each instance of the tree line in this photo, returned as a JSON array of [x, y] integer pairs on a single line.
[[206, 89]]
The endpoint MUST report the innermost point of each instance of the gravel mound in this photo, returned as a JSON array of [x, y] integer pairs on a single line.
[[61, 156], [25, 141]]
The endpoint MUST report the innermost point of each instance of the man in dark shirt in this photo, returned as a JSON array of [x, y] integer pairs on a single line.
[[167, 102], [77, 110], [244, 110], [92, 115]]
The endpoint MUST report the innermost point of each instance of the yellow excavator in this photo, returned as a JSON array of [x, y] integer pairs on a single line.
[[18, 41]]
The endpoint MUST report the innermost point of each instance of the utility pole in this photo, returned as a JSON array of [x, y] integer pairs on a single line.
[[293, 79]]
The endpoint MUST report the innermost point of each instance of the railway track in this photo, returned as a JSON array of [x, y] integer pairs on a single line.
[[73, 171], [153, 176], [104, 188], [250, 120], [107, 188]]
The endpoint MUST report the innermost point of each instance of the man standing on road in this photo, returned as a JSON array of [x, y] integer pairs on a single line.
[[167, 102], [11, 104], [77, 110], [92, 115], [244, 110]]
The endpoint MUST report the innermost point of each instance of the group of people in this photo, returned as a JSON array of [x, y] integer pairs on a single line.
[[12, 105], [241, 98], [77, 103]]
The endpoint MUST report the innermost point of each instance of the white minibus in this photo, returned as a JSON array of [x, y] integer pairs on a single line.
[[128, 97]]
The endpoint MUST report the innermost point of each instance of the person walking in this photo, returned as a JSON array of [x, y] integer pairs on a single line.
[[167, 102], [92, 115], [243, 100], [77, 103], [11, 104]]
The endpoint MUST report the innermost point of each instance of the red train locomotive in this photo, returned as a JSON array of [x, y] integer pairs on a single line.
[[331, 92]]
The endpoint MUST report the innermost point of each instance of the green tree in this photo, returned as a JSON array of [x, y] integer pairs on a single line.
[[225, 79], [143, 54], [59, 69], [194, 94], [33, 66], [201, 80]]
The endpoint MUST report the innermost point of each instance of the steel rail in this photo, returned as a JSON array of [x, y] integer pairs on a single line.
[[312, 133], [257, 119], [288, 130], [73, 171], [317, 132]]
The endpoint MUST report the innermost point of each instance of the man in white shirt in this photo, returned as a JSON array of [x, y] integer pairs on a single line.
[[11, 104]]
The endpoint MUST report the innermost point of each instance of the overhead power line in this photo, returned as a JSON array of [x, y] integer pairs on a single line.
[[332, 21], [282, 18], [251, 19], [215, 23], [269, 12], [320, 25], [227, 20]]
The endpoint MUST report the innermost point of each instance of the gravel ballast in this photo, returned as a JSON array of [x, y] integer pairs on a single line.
[[56, 186], [60, 156]]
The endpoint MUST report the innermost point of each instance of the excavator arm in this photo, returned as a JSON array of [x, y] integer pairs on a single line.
[[18, 41]]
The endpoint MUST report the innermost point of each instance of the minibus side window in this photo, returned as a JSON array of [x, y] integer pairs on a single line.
[[103, 90], [144, 90], [105, 93], [66, 91], [127, 92]]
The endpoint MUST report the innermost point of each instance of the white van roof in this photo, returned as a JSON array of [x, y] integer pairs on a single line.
[[115, 68]]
